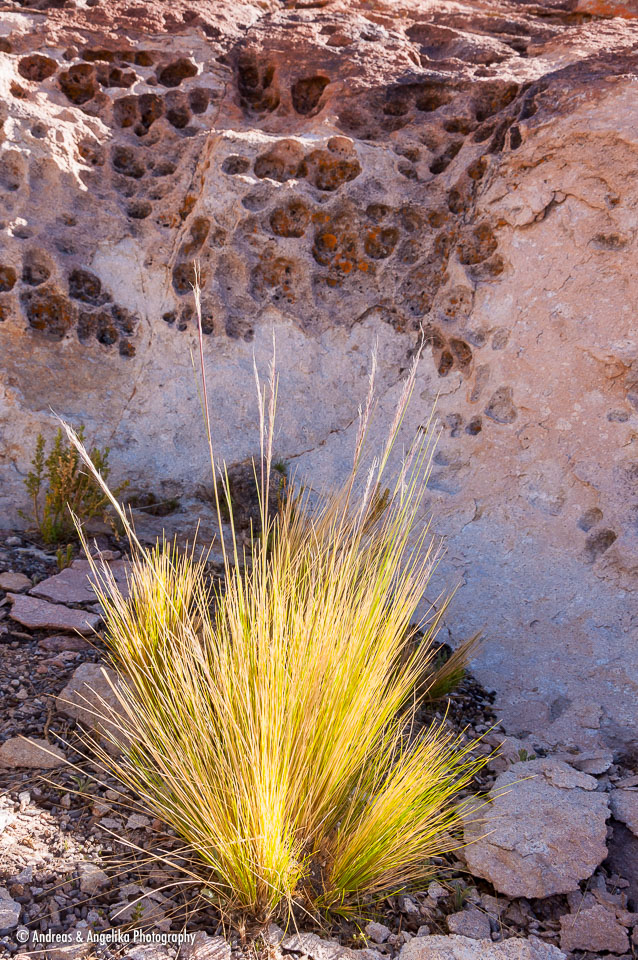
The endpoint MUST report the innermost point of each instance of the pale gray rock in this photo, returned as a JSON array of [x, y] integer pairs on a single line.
[[143, 911], [408, 905], [92, 878], [137, 821], [35, 754], [377, 931], [149, 951], [316, 948], [78, 948], [90, 697], [624, 806], [111, 823], [7, 817], [436, 890], [274, 934], [471, 923], [594, 929], [543, 832], [463, 948], [14, 582], [9, 911], [205, 947], [39, 614], [594, 762]]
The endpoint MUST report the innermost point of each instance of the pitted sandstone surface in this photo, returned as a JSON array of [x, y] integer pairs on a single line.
[[348, 174]]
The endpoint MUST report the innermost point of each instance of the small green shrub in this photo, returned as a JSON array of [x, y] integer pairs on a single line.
[[61, 486]]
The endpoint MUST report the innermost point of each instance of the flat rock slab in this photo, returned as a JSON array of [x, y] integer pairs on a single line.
[[75, 583], [14, 582], [34, 754], [42, 615], [624, 806], [462, 948], [72, 951], [541, 835]]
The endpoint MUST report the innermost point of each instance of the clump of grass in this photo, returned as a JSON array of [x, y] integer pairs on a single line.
[[271, 723], [61, 487], [448, 668]]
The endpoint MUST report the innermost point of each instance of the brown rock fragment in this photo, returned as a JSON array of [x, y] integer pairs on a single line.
[[14, 582], [32, 754]]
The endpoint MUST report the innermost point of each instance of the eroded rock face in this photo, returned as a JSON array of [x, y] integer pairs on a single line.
[[347, 173], [42, 615]]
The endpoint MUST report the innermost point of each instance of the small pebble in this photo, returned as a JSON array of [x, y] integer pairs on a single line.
[[436, 891], [377, 932]]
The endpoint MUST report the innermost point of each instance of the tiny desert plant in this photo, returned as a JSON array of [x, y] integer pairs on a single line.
[[61, 488], [448, 669], [462, 893], [272, 723], [64, 556]]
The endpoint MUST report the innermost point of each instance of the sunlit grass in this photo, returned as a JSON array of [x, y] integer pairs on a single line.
[[270, 722]]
